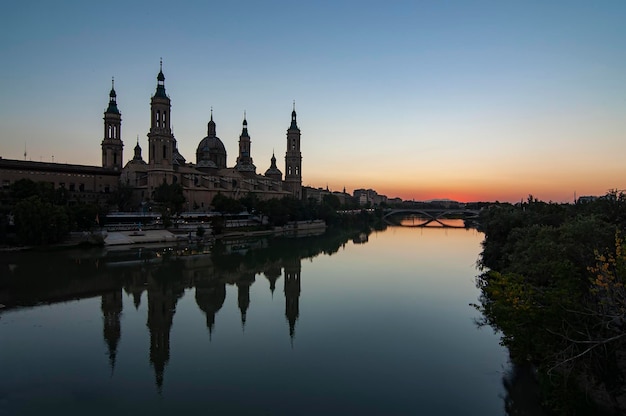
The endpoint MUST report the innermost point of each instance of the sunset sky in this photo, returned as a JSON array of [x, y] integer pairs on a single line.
[[467, 100]]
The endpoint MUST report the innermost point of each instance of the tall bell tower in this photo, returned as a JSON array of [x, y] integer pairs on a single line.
[[161, 142], [293, 158], [244, 160], [112, 145]]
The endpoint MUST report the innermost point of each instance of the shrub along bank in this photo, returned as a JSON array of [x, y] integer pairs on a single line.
[[553, 284]]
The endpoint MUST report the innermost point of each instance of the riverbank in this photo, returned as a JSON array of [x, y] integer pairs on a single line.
[[553, 284], [173, 235]]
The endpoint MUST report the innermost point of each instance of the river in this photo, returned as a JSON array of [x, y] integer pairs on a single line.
[[358, 323]]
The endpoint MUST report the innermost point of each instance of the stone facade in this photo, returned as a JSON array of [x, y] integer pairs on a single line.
[[90, 184]]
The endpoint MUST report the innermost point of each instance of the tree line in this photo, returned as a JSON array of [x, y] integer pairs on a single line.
[[34, 213], [553, 284]]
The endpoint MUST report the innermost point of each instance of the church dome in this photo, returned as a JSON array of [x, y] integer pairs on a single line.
[[273, 172], [211, 149]]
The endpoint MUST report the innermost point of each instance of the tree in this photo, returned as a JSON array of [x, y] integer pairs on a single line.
[[332, 201], [226, 205], [170, 196], [25, 188], [122, 197], [39, 222]]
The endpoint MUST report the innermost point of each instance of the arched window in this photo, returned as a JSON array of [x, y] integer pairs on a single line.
[[297, 171], [164, 152]]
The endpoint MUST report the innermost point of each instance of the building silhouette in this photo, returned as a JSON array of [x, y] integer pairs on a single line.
[[209, 175], [200, 181]]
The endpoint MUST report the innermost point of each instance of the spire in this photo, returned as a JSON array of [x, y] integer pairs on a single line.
[[160, 91], [113, 99], [244, 131], [137, 151], [273, 172], [211, 126], [294, 125]]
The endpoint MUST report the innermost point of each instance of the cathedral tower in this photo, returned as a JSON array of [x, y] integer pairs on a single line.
[[293, 159], [112, 143], [244, 160], [161, 142]]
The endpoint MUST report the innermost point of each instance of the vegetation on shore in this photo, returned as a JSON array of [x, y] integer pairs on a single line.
[[32, 213], [553, 284]]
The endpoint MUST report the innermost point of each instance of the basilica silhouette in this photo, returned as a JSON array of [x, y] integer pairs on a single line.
[[209, 175]]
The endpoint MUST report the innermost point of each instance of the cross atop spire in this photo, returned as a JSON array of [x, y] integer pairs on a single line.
[[160, 91], [113, 99], [294, 124]]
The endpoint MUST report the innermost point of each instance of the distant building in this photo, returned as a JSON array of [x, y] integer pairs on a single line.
[[586, 199], [365, 196], [318, 194]]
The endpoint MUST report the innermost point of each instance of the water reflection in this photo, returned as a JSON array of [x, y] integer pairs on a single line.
[[164, 273], [158, 278]]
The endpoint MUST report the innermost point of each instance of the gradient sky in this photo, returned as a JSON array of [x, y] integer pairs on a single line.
[[468, 100]]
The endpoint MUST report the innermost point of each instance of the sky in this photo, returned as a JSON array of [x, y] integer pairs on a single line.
[[469, 100]]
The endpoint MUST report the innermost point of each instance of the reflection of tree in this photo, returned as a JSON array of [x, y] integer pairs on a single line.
[[523, 397]]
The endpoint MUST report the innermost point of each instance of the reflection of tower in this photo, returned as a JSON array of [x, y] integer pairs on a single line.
[[243, 296], [292, 293], [111, 306], [136, 286], [161, 308], [210, 297], [272, 274], [293, 159]]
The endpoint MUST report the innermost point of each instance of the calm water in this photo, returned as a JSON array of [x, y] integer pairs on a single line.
[[354, 324]]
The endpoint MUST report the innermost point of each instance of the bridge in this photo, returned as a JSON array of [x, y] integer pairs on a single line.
[[435, 215]]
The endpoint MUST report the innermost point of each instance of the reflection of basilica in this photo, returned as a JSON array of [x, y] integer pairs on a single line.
[[292, 294], [111, 312], [165, 289], [164, 276]]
